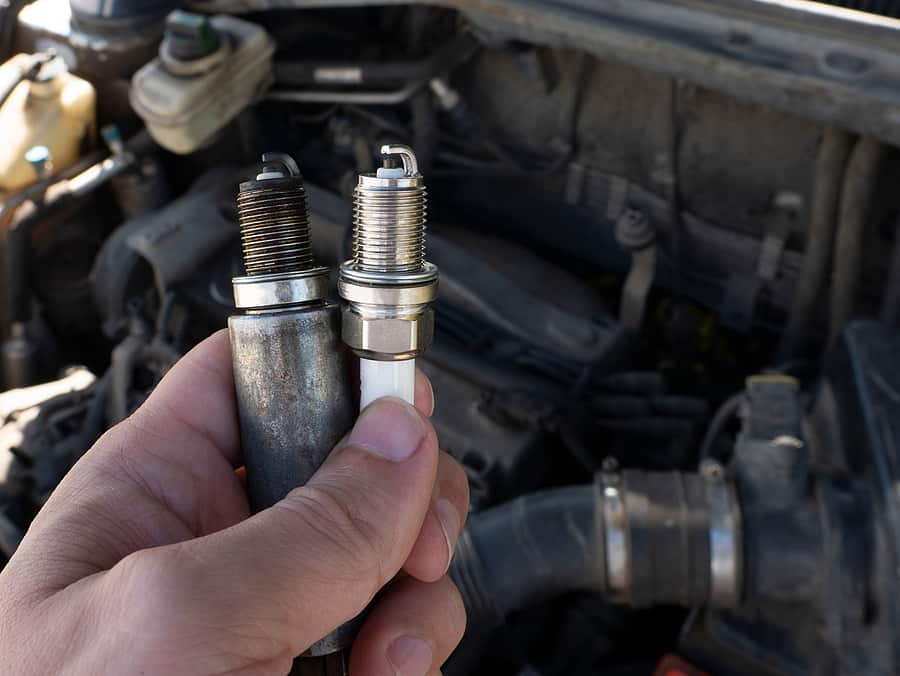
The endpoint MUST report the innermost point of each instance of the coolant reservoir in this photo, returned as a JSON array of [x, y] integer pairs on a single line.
[[207, 72], [54, 109]]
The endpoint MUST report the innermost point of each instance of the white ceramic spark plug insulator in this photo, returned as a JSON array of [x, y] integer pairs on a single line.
[[386, 379]]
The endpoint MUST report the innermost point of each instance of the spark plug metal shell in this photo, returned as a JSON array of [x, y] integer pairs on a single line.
[[388, 284]]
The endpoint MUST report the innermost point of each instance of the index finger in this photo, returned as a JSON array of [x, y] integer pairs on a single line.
[[194, 403]]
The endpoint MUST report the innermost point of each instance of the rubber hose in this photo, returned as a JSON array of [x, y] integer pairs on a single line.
[[829, 174], [532, 549], [659, 526], [550, 543], [856, 196]]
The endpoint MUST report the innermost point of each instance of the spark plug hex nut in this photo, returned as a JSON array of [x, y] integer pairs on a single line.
[[388, 338]]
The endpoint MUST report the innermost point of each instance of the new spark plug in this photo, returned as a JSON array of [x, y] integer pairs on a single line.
[[388, 284], [290, 369]]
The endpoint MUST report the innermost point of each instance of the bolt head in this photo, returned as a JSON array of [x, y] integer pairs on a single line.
[[712, 470], [634, 231]]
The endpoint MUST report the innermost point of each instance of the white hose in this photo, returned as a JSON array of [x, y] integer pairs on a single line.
[[386, 379]]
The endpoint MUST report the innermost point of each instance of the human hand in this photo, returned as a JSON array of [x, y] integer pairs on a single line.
[[146, 560]]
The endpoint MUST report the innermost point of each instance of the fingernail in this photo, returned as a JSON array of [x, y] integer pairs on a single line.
[[448, 517], [390, 428], [410, 656], [431, 389]]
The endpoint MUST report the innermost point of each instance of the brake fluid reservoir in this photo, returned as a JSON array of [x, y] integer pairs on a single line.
[[207, 72], [54, 109]]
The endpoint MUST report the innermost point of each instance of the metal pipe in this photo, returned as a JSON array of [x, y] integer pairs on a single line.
[[291, 373], [34, 192], [856, 196], [445, 59], [829, 174]]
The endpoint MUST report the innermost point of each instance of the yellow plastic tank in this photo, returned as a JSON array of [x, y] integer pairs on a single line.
[[53, 108]]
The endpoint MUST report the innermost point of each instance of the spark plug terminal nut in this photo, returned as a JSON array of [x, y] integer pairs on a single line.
[[388, 284]]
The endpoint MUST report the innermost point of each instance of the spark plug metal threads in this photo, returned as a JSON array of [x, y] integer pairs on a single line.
[[277, 252], [388, 284], [274, 218], [389, 219], [274, 226]]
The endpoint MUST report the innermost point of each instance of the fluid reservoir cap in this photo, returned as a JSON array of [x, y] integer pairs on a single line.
[[192, 45], [47, 83], [190, 36]]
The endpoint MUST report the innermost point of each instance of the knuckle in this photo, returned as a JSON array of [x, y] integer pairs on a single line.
[[142, 596], [160, 570]]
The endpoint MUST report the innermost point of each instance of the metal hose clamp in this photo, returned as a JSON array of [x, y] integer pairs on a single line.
[[615, 537], [725, 549]]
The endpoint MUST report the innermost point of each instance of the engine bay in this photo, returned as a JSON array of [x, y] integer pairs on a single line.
[[666, 335]]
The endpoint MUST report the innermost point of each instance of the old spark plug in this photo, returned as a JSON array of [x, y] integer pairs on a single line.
[[290, 369], [388, 284]]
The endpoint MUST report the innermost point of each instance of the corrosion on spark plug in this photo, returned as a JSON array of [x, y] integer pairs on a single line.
[[388, 284], [291, 375]]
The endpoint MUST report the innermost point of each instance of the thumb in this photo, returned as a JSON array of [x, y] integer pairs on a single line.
[[287, 576]]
